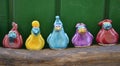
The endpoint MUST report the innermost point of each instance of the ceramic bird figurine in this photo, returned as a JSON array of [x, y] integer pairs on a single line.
[[107, 35], [13, 39], [58, 39], [82, 37], [35, 41]]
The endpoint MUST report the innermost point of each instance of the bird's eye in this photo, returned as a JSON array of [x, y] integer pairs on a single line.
[[58, 26]]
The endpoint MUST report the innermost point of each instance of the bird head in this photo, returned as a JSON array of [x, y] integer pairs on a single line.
[[57, 24], [81, 29], [106, 24], [35, 29]]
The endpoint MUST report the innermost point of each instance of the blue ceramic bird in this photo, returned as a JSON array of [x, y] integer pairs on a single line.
[[58, 39]]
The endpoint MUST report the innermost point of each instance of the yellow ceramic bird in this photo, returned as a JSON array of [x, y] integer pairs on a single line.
[[35, 41]]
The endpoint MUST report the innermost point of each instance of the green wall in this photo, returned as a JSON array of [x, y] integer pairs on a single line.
[[28, 10], [24, 12], [89, 12], [114, 14], [3, 19]]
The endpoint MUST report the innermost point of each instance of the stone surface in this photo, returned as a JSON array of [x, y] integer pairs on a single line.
[[89, 56]]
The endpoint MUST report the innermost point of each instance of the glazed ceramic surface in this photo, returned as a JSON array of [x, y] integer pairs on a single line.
[[82, 37], [35, 40], [58, 39], [107, 35], [13, 39]]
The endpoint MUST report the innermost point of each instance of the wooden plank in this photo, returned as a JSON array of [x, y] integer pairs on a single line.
[[90, 56]]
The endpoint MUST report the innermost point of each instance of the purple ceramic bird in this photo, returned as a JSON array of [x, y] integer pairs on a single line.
[[82, 37]]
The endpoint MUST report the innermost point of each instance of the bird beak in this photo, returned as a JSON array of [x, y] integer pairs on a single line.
[[82, 30], [57, 28]]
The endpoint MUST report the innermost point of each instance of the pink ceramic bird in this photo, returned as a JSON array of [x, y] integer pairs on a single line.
[[13, 39], [107, 35]]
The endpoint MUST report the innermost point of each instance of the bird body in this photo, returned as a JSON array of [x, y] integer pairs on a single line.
[[13, 39], [107, 35], [35, 41], [82, 37], [58, 39]]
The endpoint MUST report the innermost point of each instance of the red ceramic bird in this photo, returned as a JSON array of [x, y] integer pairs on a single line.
[[107, 35], [13, 39]]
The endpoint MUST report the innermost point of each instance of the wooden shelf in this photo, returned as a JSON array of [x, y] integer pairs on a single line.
[[89, 56]]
